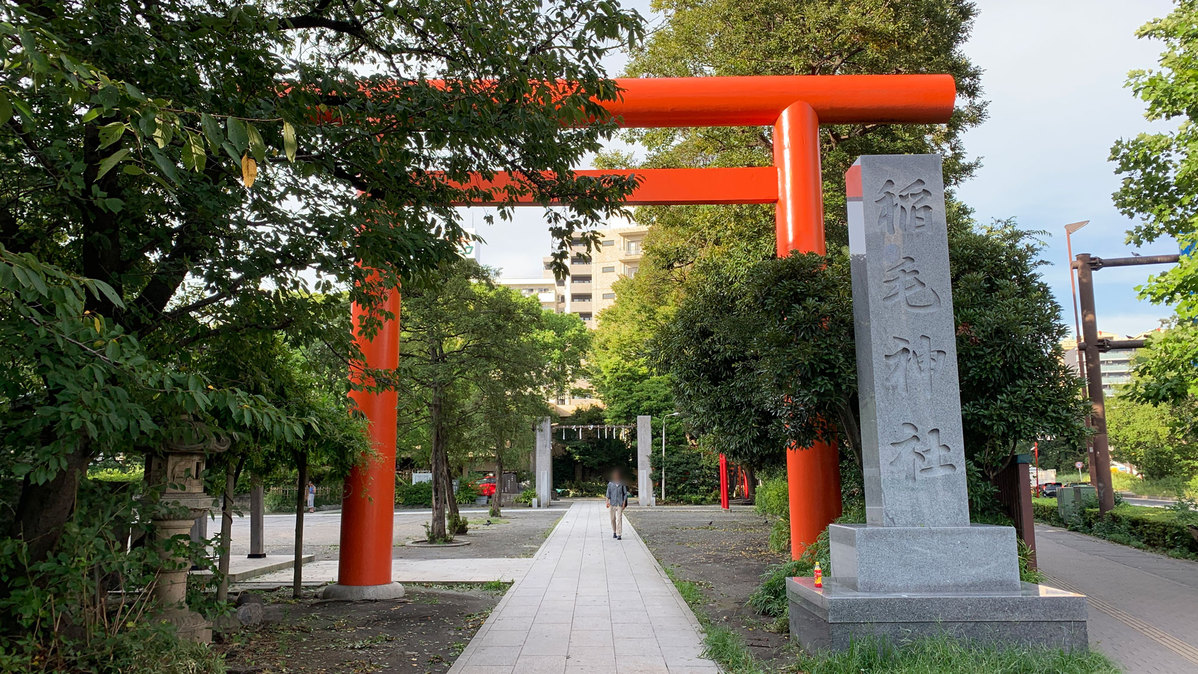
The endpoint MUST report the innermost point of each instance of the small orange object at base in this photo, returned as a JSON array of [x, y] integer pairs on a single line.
[[819, 576]]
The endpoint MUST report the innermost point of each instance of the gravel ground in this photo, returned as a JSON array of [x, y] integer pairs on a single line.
[[518, 533], [725, 553]]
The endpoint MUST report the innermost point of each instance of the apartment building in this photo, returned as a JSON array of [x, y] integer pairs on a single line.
[[588, 289], [1116, 363]]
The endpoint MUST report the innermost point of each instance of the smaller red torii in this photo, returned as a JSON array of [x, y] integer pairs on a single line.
[[795, 106]]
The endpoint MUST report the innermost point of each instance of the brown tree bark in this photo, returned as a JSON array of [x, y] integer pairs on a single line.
[[436, 531], [226, 530], [301, 486], [43, 509]]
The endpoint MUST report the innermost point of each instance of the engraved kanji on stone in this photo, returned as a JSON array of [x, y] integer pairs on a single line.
[[904, 209], [927, 456], [902, 283], [912, 365]]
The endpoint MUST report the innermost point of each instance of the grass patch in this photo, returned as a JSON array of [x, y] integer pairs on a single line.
[[943, 655]]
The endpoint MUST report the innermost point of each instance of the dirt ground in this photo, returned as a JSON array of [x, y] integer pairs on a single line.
[[725, 553], [423, 632]]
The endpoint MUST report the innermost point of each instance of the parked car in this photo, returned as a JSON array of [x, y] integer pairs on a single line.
[[486, 486], [1049, 489]]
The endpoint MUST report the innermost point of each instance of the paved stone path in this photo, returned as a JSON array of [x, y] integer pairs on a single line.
[[589, 603], [1143, 606]]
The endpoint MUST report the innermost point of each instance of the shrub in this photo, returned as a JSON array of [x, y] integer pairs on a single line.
[[771, 500], [584, 488], [414, 495], [96, 619], [1045, 510], [466, 495], [526, 496]]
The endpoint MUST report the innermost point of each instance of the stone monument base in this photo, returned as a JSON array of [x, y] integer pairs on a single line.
[[834, 616], [924, 559]]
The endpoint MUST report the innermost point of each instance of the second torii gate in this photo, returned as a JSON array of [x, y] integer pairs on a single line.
[[795, 106]]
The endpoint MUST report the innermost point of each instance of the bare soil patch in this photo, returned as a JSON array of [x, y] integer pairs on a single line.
[[725, 553], [425, 631]]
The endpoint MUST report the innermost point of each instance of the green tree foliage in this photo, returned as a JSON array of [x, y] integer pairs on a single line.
[[763, 355], [759, 351], [1165, 376], [1146, 436], [175, 174], [1158, 169], [725, 37], [476, 365]]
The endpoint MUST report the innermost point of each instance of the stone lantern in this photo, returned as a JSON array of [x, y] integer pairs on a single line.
[[175, 475]]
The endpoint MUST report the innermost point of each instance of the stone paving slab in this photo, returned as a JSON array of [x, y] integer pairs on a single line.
[[1143, 606], [242, 568], [589, 603], [463, 570]]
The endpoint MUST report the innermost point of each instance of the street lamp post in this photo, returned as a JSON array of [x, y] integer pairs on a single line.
[[663, 455]]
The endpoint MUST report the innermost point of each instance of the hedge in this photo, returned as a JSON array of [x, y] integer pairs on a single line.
[[420, 495], [1140, 526], [1155, 527]]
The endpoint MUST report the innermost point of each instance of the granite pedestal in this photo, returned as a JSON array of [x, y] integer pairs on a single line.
[[835, 616]]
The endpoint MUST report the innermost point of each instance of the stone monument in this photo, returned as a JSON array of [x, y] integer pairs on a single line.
[[543, 463], [644, 461], [917, 566]]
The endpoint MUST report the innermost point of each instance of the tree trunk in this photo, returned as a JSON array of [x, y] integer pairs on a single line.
[[226, 531], [751, 480], [497, 497], [301, 488], [436, 529], [43, 509]]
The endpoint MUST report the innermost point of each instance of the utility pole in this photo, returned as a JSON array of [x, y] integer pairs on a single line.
[[1100, 453]]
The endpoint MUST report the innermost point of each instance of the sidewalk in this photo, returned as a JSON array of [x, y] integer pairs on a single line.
[[1143, 606], [589, 603]]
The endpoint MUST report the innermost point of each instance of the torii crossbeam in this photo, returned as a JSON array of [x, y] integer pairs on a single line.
[[795, 106]]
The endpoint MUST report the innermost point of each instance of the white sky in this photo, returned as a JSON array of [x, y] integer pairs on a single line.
[[1054, 75]]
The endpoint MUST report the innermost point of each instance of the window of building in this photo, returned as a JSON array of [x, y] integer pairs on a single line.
[[580, 279], [630, 270], [609, 270], [586, 316], [609, 242], [580, 298], [633, 247], [609, 296]]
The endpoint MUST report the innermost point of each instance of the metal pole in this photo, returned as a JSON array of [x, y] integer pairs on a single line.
[[1100, 458], [663, 459]]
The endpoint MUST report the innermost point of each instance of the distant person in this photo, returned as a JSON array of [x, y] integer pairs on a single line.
[[311, 497], [617, 500]]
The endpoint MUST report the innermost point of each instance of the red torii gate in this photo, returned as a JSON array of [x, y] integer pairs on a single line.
[[795, 106]]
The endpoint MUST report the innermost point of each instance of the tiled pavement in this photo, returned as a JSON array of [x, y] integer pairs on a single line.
[[1143, 606], [589, 603]]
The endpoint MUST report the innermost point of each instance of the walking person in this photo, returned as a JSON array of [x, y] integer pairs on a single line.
[[617, 500], [311, 497]]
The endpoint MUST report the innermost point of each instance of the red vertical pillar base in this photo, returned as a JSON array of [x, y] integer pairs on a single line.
[[723, 482], [368, 503], [813, 473], [813, 481]]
